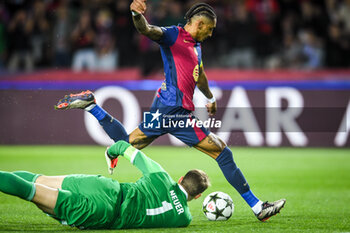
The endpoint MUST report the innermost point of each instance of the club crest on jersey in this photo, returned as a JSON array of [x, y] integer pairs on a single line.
[[163, 87], [196, 73]]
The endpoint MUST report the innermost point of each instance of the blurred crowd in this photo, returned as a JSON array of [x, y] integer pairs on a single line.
[[99, 35]]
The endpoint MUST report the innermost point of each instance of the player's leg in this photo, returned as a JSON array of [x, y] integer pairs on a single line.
[[39, 194], [28, 176], [115, 130], [217, 149], [139, 139], [86, 100], [45, 198], [111, 126], [32, 177], [14, 185], [207, 142], [50, 181]]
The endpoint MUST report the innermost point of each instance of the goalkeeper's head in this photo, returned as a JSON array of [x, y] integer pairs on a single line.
[[195, 182]]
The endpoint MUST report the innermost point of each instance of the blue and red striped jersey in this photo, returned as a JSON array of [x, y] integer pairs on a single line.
[[182, 58]]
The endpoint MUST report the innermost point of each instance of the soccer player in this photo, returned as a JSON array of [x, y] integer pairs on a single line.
[[97, 202], [183, 67]]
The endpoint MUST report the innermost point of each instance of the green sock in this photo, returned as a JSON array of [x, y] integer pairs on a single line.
[[28, 176], [17, 186]]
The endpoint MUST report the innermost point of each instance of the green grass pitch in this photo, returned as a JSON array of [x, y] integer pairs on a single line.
[[315, 182]]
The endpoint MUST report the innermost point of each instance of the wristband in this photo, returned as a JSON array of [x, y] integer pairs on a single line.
[[212, 100], [134, 13]]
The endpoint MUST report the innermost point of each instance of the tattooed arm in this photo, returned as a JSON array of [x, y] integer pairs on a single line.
[[142, 26], [138, 7]]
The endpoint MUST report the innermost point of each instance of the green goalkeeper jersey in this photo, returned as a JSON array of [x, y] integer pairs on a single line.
[[155, 200]]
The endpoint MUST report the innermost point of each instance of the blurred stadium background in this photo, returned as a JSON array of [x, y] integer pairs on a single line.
[[280, 70], [264, 55], [250, 34]]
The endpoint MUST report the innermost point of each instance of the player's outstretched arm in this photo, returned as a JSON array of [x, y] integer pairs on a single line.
[[136, 157], [138, 7], [117, 149], [203, 86]]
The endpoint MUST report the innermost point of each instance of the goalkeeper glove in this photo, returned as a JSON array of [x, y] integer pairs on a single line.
[[111, 162]]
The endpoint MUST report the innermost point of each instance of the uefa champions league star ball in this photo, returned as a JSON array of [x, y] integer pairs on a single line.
[[218, 206]]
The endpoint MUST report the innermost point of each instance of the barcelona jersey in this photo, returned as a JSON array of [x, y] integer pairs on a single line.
[[182, 58]]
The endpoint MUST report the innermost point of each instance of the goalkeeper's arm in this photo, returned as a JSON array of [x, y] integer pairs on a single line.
[[136, 157]]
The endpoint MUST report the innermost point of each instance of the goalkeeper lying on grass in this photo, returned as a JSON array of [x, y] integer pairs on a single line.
[[97, 202]]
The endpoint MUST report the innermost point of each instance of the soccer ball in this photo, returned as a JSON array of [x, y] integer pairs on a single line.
[[218, 206]]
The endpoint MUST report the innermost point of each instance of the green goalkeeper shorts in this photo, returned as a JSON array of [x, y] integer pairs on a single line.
[[88, 202]]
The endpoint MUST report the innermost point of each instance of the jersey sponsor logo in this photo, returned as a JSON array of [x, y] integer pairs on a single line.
[[196, 73], [179, 208]]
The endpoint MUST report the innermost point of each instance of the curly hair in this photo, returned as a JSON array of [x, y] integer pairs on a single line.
[[200, 9]]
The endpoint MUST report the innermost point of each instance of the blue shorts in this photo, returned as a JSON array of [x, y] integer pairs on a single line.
[[175, 120]]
